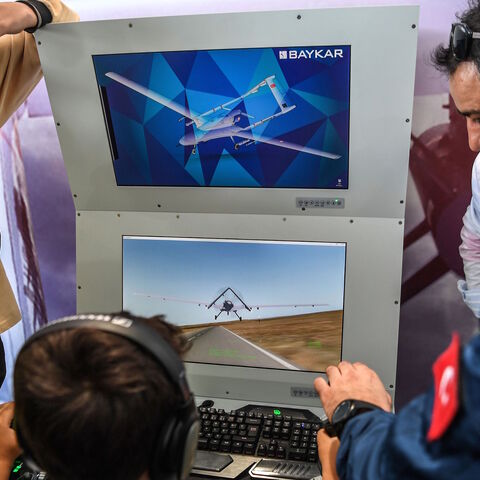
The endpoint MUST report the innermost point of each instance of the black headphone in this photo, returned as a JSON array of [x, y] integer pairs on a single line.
[[174, 450]]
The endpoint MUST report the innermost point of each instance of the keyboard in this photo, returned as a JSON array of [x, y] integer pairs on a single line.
[[287, 436]]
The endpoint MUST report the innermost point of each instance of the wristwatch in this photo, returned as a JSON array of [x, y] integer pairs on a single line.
[[344, 412]]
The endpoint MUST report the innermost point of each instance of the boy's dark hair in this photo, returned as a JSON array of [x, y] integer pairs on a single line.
[[90, 404], [442, 57]]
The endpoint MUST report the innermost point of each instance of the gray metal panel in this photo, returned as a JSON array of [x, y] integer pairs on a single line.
[[372, 290], [383, 63]]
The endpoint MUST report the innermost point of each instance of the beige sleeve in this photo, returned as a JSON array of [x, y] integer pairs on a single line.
[[20, 67], [19, 73], [9, 312]]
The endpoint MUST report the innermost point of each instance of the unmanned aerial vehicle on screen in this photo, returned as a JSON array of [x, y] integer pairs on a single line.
[[223, 122], [228, 301]]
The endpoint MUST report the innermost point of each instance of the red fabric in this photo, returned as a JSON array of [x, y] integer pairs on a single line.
[[446, 400]]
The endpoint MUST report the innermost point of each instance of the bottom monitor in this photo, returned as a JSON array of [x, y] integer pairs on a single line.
[[249, 303]]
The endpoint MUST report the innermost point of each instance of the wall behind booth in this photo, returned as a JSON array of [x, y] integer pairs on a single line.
[[38, 210]]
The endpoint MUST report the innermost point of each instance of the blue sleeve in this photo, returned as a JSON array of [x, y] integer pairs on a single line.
[[379, 445]]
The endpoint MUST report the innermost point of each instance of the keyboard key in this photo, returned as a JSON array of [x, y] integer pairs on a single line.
[[312, 458], [203, 443], [287, 424], [262, 450], [249, 448], [214, 444], [272, 451], [276, 432], [241, 413], [253, 421], [237, 447], [225, 445], [288, 418], [253, 431], [241, 438], [285, 433], [297, 454], [268, 423], [220, 411], [281, 452]]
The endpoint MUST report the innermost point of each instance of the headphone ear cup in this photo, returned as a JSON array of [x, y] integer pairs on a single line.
[[160, 464], [176, 445]]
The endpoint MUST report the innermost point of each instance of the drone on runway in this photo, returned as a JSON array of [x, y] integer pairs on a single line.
[[222, 121], [229, 301]]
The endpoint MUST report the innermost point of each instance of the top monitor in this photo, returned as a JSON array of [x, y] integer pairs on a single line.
[[257, 117], [271, 113]]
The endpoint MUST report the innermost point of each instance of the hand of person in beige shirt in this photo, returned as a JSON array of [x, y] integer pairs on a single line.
[[16, 17]]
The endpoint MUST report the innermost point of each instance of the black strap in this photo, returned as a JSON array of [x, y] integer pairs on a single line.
[[42, 12]]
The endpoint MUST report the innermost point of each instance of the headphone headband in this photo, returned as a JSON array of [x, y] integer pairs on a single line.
[[137, 332]]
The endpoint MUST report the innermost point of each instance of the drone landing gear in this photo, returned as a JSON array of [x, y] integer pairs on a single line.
[[235, 312]]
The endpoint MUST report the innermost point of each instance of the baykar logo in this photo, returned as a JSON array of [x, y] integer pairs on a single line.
[[310, 54]]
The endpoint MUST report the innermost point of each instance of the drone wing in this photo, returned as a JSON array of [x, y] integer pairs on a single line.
[[291, 305], [156, 97], [253, 90], [172, 299], [250, 138]]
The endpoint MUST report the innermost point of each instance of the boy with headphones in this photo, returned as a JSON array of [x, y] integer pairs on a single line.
[[102, 396]]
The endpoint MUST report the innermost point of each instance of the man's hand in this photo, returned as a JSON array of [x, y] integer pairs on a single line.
[[9, 449], [351, 381], [327, 452], [16, 17]]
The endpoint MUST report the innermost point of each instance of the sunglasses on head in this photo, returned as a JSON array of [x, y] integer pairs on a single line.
[[461, 38]]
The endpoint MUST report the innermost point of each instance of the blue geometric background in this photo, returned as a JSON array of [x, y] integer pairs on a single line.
[[147, 133]]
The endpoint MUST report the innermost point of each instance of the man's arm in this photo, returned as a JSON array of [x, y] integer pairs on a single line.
[[20, 67]]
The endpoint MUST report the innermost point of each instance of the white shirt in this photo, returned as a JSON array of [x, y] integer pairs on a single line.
[[470, 247]]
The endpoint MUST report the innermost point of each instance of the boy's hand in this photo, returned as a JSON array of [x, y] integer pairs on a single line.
[[327, 452], [9, 448]]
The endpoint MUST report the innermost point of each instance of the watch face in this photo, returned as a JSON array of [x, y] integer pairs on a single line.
[[341, 411]]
